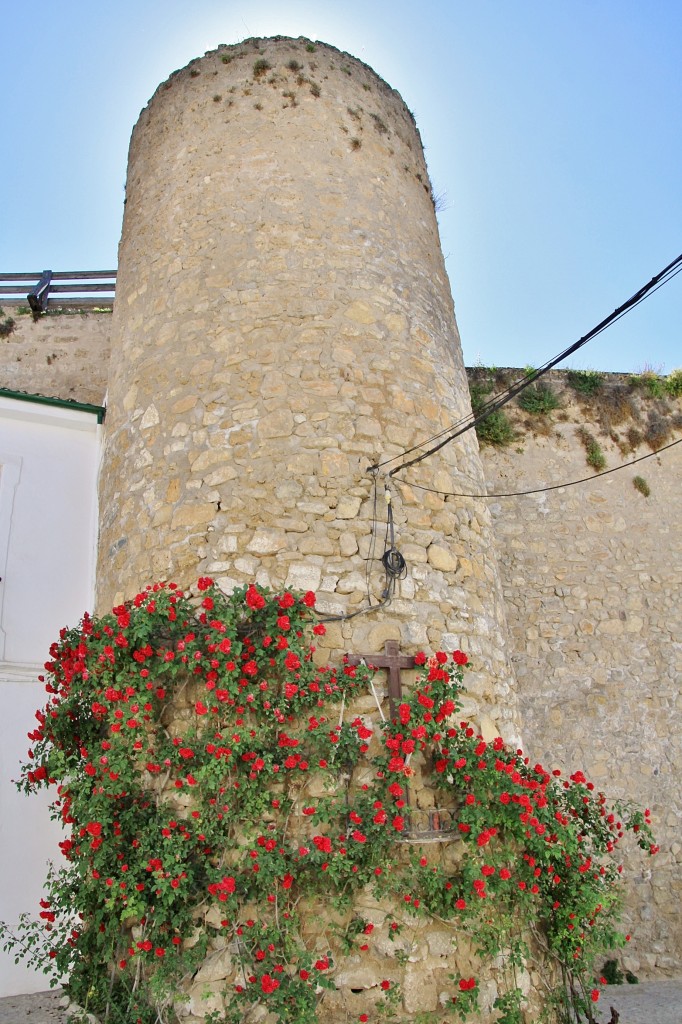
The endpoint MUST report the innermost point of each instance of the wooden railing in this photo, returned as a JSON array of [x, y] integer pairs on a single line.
[[49, 290]]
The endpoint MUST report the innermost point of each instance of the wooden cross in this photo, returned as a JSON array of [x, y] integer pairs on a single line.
[[392, 660]]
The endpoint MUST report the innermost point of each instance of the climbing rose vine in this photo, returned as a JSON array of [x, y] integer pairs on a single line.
[[219, 790]]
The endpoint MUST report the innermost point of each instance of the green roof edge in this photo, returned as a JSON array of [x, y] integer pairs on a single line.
[[64, 403]]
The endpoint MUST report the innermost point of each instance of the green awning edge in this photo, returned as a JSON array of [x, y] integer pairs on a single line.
[[64, 403]]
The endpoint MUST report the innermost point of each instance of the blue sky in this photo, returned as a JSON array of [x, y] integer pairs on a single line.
[[551, 127]]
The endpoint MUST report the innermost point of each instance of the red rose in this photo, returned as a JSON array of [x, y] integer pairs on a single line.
[[253, 598]]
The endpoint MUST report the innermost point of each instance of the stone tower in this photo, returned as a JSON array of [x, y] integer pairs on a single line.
[[284, 321]]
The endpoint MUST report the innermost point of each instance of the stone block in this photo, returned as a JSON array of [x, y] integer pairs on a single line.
[[441, 558], [361, 313], [202, 1001], [316, 544], [358, 975], [379, 634], [419, 990], [413, 553], [279, 423], [150, 418], [348, 544], [347, 507], [440, 941], [303, 576], [216, 967], [191, 515], [267, 541], [334, 464], [351, 582]]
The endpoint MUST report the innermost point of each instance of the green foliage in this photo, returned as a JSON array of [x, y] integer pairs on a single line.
[[539, 400], [585, 382], [7, 325], [496, 428], [612, 973], [260, 66], [509, 1007], [673, 383], [640, 484], [653, 385], [657, 429], [310, 47], [594, 455], [220, 792]]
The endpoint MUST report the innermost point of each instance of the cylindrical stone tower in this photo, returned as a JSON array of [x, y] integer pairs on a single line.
[[283, 321]]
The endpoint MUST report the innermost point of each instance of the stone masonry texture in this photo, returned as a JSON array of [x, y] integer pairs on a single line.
[[592, 577], [61, 355], [283, 321]]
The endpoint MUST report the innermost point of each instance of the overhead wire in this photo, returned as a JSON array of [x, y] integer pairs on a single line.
[[539, 490], [500, 400], [393, 562]]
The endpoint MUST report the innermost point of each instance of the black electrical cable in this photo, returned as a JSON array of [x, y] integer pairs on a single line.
[[372, 542], [393, 562], [552, 487], [466, 423]]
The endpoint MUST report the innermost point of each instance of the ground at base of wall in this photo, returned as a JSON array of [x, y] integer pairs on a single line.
[[652, 1002], [39, 1008]]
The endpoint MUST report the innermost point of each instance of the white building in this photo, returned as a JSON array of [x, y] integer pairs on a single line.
[[49, 458]]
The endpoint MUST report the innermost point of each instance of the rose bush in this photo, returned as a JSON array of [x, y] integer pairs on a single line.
[[213, 782]]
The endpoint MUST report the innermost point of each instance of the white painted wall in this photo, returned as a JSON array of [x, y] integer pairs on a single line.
[[49, 458]]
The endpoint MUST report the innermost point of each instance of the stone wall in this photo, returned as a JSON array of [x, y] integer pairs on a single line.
[[283, 320], [60, 355], [592, 577]]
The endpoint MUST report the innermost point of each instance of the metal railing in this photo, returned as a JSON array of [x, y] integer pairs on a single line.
[[49, 290]]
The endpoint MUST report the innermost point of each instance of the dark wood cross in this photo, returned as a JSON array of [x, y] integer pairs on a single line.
[[392, 660]]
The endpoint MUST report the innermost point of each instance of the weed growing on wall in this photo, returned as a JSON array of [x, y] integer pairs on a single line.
[[260, 66], [650, 382], [222, 798], [585, 382], [539, 400], [640, 484], [673, 383], [593, 453], [7, 324], [496, 428]]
